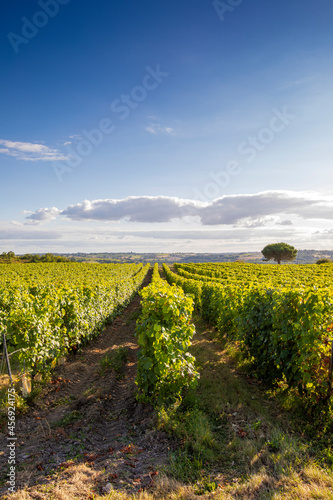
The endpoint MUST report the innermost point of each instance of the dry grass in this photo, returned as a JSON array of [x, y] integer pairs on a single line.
[[80, 483], [76, 482]]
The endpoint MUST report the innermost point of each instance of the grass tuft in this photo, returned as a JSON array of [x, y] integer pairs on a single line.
[[116, 361]]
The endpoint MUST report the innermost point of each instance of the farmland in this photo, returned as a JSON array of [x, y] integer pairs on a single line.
[[198, 387], [47, 310], [303, 257], [282, 317]]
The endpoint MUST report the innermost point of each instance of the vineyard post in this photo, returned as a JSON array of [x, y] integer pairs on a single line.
[[330, 371], [7, 358]]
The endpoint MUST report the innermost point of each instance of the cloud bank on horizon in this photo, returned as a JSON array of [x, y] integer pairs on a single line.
[[226, 210], [163, 223]]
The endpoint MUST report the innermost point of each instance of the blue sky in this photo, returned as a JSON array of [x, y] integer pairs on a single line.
[[125, 123]]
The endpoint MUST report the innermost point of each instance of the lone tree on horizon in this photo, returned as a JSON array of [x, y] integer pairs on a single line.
[[279, 251]]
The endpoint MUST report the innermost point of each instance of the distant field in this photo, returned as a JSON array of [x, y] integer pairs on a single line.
[[303, 257]]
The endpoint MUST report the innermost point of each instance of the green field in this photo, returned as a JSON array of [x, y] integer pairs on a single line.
[[47, 310], [233, 368]]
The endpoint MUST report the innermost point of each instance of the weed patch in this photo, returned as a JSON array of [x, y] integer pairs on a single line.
[[115, 361], [68, 419]]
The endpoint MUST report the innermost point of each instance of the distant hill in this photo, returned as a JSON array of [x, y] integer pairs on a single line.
[[303, 257]]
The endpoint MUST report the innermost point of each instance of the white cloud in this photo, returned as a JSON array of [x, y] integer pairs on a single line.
[[157, 129], [48, 157], [44, 214], [239, 234], [28, 151], [244, 209], [152, 130], [134, 208], [77, 137], [253, 222], [162, 223], [325, 232], [284, 223], [26, 147], [26, 234]]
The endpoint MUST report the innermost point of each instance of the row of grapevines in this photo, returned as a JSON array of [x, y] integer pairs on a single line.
[[191, 286], [284, 331], [164, 332], [43, 318], [63, 273], [194, 276], [251, 275]]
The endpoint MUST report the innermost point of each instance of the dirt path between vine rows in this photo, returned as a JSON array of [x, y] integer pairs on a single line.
[[84, 417]]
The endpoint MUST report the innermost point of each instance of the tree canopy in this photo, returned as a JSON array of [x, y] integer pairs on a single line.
[[279, 252], [324, 261], [10, 257]]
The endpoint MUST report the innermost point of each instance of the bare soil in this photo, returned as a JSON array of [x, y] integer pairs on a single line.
[[89, 418]]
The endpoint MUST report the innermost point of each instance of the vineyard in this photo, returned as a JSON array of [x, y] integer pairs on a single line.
[[47, 310], [281, 317], [146, 385]]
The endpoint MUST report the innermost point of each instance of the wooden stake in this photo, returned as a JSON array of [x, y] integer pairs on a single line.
[[7, 358]]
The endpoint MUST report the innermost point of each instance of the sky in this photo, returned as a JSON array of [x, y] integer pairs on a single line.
[[165, 125]]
